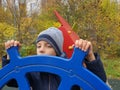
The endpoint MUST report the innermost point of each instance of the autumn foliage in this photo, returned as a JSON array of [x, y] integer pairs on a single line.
[[94, 20]]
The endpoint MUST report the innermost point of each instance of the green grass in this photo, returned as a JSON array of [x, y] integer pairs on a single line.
[[112, 68]]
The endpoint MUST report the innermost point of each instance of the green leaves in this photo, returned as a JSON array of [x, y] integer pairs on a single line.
[[7, 31], [95, 20]]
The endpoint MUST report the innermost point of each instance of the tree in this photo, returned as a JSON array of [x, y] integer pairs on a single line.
[[0, 2], [7, 32], [95, 20], [16, 17]]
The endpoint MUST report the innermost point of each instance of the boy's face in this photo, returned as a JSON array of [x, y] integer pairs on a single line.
[[44, 47]]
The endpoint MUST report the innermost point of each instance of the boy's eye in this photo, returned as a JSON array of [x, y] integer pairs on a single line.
[[48, 45], [38, 46]]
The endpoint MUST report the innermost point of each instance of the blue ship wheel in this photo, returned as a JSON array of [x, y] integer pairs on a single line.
[[70, 70]]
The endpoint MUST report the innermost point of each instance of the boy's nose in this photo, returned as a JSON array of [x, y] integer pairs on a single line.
[[42, 50]]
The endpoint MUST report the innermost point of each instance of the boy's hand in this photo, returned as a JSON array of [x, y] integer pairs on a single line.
[[11, 43], [85, 45]]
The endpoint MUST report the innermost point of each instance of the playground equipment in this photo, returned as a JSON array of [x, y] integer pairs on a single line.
[[69, 35], [70, 70]]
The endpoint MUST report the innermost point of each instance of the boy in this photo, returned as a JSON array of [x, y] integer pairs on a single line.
[[50, 42]]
